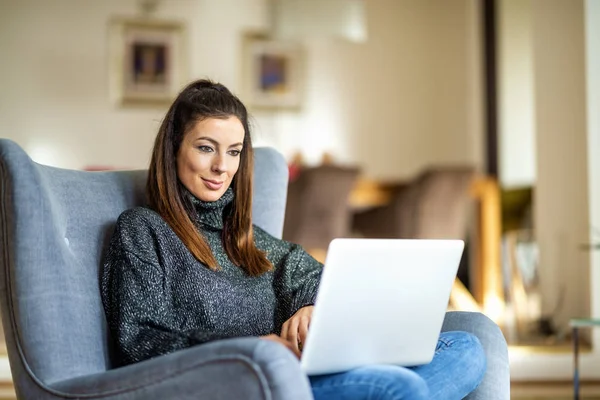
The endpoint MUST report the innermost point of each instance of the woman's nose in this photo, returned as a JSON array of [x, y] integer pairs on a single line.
[[219, 164]]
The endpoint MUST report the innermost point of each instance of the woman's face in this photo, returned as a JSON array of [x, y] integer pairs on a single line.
[[209, 156]]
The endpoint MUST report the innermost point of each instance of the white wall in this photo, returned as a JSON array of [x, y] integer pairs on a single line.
[[563, 201], [54, 99], [561, 196], [592, 35], [516, 103], [407, 98]]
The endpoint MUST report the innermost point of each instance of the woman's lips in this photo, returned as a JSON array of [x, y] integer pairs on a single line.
[[212, 185]]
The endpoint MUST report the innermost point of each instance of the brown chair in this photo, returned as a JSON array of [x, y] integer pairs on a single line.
[[433, 206], [317, 209]]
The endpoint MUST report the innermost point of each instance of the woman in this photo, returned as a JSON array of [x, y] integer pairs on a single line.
[[191, 268]]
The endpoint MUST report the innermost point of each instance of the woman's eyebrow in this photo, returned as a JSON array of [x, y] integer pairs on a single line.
[[213, 141], [208, 139]]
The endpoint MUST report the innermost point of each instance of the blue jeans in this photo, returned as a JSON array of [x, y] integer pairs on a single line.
[[457, 368]]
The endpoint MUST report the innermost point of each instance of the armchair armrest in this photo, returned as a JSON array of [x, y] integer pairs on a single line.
[[248, 368]]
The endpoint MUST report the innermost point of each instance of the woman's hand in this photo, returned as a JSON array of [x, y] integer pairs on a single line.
[[286, 343], [295, 329]]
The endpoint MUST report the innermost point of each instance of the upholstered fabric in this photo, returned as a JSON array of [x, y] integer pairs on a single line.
[[317, 208], [432, 206], [442, 203]]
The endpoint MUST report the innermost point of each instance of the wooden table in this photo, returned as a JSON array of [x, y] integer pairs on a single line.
[[369, 193]]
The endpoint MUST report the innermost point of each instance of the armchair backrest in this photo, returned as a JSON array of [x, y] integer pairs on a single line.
[[55, 225], [435, 205], [317, 209]]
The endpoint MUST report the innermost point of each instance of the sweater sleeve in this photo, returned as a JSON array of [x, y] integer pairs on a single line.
[[136, 300], [296, 277]]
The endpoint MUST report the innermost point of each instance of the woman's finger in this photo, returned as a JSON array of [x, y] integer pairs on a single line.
[[292, 334], [303, 328], [284, 330], [286, 343]]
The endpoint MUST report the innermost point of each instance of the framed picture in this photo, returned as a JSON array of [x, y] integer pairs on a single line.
[[273, 73], [147, 58]]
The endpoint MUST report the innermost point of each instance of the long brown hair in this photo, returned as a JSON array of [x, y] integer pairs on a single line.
[[200, 100]]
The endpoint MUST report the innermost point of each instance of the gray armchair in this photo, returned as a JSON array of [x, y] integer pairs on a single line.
[[54, 227]]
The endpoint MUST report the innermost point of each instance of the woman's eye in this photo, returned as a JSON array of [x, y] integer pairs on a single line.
[[234, 153], [206, 149]]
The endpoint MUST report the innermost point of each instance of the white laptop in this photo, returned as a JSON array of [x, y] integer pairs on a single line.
[[380, 301]]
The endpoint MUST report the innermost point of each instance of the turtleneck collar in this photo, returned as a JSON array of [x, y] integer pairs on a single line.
[[210, 213]]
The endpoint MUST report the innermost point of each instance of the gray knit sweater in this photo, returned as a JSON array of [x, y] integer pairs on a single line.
[[158, 298]]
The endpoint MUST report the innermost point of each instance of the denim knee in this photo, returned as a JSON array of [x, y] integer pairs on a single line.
[[403, 387], [473, 360], [375, 382], [396, 382]]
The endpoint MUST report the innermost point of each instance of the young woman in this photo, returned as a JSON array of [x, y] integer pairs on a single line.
[[191, 268]]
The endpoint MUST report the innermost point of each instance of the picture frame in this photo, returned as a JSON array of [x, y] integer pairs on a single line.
[[273, 73], [147, 61]]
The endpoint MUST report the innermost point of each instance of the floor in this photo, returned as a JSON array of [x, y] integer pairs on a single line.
[[553, 391], [7, 391]]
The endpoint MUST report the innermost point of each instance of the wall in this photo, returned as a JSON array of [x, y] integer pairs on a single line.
[[409, 97], [54, 79], [563, 200], [592, 25], [516, 103]]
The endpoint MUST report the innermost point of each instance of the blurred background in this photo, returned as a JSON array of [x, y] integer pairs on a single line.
[[468, 119]]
